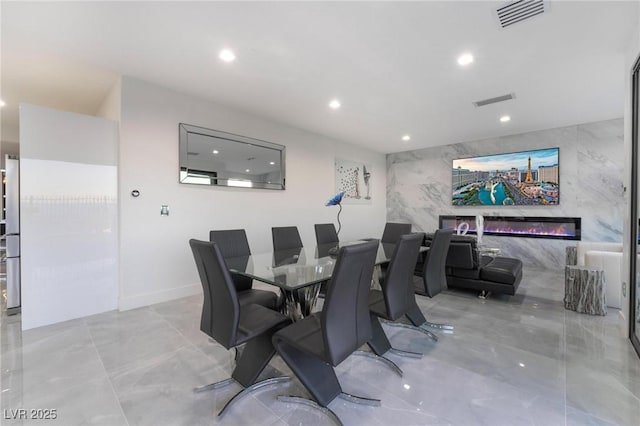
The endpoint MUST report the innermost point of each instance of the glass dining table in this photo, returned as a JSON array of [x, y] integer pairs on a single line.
[[298, 273]]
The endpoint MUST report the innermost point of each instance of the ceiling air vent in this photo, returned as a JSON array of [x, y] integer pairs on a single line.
[[192, 153], [518, 11], [494, 100]]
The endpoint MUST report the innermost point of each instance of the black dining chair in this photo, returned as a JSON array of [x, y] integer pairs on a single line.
[[233, 244], [313, 346], [231, 325], [434, 278], [393, 231], [326, 234], [286, 238], [327, 241], [396, 297], [391, 235]]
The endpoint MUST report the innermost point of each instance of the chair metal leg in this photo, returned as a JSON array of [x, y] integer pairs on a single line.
[[392, 365], [255, 386], [360, 400], [310, 403], [380, 344], [407, 354], [418, 319], [437, 325], [412, 327]]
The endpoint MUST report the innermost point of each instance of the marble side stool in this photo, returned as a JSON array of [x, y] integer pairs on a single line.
[[585, 290]]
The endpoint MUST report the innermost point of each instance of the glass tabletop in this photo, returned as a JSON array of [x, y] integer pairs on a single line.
[[297, 268]]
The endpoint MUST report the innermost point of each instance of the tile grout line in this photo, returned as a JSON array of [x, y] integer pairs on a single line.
[[215, 360], [208, 357], [95, 348], [189, 342]]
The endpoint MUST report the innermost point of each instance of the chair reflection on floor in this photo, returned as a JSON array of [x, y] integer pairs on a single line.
[[231, 325], [313, 346]]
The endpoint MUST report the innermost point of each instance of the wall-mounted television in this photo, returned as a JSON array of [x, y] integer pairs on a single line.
[[526, 178]]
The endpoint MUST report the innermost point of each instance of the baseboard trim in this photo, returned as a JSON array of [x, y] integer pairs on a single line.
[[146, 299]]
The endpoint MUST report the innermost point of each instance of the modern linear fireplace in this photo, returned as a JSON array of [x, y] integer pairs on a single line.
[[559, 228]]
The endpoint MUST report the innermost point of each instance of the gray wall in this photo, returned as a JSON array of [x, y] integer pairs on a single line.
[[591, 186]]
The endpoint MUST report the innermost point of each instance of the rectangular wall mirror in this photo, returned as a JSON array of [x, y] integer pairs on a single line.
[[212, 157]]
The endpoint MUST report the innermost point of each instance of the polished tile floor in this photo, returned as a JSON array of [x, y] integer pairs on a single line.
[[519, 360]]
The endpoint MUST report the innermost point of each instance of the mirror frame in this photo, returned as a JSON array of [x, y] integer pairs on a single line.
[[186, 129], [634, 258]]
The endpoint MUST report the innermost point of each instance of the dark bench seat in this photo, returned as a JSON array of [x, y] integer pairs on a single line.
[[465, 268]]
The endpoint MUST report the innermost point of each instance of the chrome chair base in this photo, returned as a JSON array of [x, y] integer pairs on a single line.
[[407, 354], [437, 325], [310, 403], [392, 365], [243, 392], [255, 386], [360, 400], [412, 327], [216, 385]]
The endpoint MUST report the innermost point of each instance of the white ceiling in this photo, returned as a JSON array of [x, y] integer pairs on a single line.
[[392, 64]]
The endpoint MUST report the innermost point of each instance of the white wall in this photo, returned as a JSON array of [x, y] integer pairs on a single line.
[[10, 148], [110, 107], [155, 261], [68, 214]]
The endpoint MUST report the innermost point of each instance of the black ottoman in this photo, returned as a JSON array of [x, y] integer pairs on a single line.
[[503, 270]]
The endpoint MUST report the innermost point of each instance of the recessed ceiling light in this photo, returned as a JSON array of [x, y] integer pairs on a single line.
[[227, 55], [465, 59], [272, 163], [247, 170], [334, 104], [2, 103], [215, 151], [406, 138], [505, 118]]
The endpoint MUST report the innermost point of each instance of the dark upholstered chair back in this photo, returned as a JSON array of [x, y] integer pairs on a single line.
[[435, 279], [393, 232], [220, 310], [326, 233], [345, 314], [233, 243], [397, 285], [285, 238]]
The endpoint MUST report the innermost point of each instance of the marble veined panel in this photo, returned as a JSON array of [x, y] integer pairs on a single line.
[[591, 186]]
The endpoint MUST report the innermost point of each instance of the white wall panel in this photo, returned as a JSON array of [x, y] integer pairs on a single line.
[[68, 211]]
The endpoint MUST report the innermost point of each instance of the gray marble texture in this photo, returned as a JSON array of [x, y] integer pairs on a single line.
[[591, 187], [520, 360]]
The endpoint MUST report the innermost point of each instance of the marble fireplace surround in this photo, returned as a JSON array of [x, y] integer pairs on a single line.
[[591, 176], [559, 228]]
